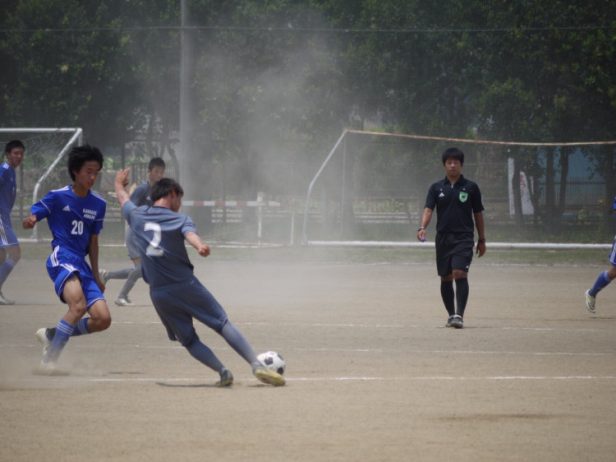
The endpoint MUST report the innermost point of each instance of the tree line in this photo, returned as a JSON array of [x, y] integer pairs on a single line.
[[268, 71]]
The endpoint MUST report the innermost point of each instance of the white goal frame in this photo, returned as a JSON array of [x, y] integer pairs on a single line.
[[76, 137], [496, 245]]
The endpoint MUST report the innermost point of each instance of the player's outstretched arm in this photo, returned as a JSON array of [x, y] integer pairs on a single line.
[[29, 222], [194, 240], [120, 184]]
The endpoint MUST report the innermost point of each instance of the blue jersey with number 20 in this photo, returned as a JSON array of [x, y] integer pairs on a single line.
[[159, 234], [72, 219]]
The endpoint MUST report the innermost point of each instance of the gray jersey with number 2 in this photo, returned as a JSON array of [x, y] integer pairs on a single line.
[[159, 235]]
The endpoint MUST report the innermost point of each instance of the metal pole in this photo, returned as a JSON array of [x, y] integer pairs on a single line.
[[343, 188], [312, 183], [186, 112], [76, 137]]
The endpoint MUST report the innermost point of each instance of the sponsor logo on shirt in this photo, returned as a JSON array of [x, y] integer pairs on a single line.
[[90, 214]]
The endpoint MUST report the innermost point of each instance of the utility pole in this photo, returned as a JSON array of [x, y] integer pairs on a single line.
[[187, 157]]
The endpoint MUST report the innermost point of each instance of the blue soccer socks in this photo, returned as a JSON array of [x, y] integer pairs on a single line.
[[63, 332], [5, 270], [600, 283], [82, 327]]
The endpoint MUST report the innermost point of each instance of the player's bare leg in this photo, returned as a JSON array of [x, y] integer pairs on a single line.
[[72, 323]]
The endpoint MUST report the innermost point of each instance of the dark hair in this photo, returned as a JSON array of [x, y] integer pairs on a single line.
[[453, 153], [79, 155], [12, 145], [156, 162], [164, 187]]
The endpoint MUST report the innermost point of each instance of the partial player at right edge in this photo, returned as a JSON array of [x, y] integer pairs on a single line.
[[178, 296], [604, 278]]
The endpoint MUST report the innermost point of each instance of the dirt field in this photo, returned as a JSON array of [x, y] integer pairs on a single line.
[[372, 373]]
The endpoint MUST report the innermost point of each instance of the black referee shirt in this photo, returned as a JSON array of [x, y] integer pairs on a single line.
[[455, 205]]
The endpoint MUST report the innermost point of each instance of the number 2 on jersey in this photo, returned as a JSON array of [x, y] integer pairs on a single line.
[[153, 249]]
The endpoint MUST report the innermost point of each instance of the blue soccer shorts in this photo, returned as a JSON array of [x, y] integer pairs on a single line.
[[7, 235], [61, 265], [178, 304], [613, 253]]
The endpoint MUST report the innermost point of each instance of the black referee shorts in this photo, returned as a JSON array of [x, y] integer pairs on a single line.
[[453, 251]]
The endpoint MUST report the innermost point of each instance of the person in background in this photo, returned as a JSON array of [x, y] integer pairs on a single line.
[[10, 252], [141, 196], [604, 278]]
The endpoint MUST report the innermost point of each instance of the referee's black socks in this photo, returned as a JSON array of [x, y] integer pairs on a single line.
[[461, 295], [448, 296]]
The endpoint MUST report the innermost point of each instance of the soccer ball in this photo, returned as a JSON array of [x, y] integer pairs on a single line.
[[272, 361]]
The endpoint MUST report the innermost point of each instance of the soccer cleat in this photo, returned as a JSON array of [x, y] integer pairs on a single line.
[[5, 301], [41, 336], [49, 368], [268, 376], [104, 275], [449, 321], [226, 379], [590, 302], [457, 322], [123, 301]]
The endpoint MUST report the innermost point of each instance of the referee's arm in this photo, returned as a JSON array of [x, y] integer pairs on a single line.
[[481, 241], [425, 221]]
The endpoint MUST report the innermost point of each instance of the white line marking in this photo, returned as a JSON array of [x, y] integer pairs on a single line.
[[168, 346], [449, 378], [205, 381]]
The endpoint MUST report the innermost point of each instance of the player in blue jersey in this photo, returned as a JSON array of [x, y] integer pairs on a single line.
[[10, 252], [75, 217], [178, 296], [140, 196], [605, 277]]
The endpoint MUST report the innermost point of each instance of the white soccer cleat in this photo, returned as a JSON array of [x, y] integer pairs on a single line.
[[49, 368], [590, 302], [5, 301], [41, 336], [122, 301], [104, 275]]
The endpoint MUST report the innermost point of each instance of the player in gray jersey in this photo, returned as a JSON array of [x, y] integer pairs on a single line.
[[178, 296]]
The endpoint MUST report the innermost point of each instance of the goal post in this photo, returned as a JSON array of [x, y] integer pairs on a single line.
[[370, 190], [45, 148]]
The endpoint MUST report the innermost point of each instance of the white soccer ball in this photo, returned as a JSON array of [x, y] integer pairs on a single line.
[[273, 361]]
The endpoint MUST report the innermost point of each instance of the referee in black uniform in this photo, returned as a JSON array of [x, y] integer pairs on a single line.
[[458, 207]]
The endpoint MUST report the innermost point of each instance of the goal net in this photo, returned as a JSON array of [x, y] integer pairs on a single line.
[[43, 167], [371, 189]]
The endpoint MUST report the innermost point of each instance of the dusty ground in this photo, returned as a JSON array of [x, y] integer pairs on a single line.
[[372, 373]]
